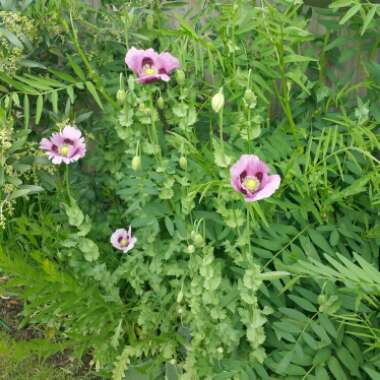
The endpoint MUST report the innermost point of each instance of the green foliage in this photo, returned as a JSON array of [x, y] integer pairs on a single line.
[[215, 288]]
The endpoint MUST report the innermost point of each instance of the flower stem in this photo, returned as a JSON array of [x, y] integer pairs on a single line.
[[67, 182], [221, 130]]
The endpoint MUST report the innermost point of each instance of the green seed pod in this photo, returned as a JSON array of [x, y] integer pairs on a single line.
[[121, 96], [190, 248], [183, 162], [321, 299], [180, 76], [136, 163], [217, 102], [160, 103]]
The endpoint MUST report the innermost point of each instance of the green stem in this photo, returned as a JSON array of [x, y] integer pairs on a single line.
[[156, 140], [67, 182], [221, 138], [284, 98]]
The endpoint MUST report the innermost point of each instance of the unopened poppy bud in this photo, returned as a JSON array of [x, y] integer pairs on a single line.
[[183, 162], [197, 238], [217, 102], [190, 248], [180, 76], [150, 21], [136, 163], [120, 96], [160, 103], [250, 97], [220, 350]]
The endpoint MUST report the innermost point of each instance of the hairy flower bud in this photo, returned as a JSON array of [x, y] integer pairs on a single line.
[[121, 96], [180, 76], [250, 98], [190, 248], [217, 102], [136, 163], [160, 103], [183, 162], [197, 238]]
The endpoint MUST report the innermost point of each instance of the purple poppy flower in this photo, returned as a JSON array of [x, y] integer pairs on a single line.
[[123, 240], [249, 176], [150, 66], [65, 146]]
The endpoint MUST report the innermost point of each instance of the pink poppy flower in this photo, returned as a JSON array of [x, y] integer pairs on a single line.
[[123, 240], [249, 176], [65, 146], [150, 66]]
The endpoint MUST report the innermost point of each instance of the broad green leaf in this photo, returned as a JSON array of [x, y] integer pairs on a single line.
[[25, 190], [89, 249], [336, 369], [12, 38], [74, 214], [303, 303]]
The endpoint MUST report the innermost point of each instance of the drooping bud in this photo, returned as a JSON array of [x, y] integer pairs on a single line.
[[217, 102], [190, 248], [250, 98], [197, 238], [136, 163], [183, 162], [160, 103], [180, 77], [121, 96]]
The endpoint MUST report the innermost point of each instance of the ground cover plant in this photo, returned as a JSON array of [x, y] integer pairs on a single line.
[[190, 189]]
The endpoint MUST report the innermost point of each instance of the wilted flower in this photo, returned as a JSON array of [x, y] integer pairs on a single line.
[[65, 146], [249, 176], [217, 102], [150, 66], [123, 240]]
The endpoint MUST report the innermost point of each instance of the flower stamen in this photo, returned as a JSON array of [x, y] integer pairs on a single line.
[[64, 150], [251, 183]]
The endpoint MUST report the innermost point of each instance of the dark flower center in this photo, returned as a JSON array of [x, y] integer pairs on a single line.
[[147, 64], [250, 183], [122, 241]]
